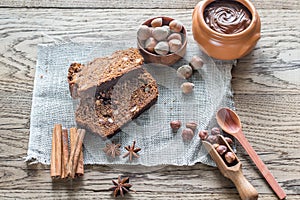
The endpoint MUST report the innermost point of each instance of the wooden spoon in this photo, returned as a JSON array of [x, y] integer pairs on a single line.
[[232, 171], [229, 121]]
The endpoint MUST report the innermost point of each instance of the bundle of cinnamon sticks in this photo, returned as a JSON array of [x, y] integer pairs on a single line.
[[63, 164]]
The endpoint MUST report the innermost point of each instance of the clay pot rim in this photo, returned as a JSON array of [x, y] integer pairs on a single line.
[[183, 31], [246, 3]]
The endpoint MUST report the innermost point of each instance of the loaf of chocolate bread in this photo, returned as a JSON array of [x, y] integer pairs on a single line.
[[105, 107]]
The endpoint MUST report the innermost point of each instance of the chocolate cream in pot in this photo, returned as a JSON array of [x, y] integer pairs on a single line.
[[227, 17]]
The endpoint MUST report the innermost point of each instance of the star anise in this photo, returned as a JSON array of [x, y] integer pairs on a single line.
[[121, 187], [132, 151], [112, 149]]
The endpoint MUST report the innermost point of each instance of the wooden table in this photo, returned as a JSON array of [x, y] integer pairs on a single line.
[[266, 86]]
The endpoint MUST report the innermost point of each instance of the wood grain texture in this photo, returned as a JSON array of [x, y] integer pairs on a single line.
[[118, 4], [267, 96]]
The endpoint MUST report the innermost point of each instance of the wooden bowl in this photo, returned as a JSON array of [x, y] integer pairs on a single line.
[[170, 58]]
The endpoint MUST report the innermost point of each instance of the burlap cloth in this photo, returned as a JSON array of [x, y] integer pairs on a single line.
[[52, 104]]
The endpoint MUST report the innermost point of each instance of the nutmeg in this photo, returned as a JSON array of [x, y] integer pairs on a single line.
[[185, 71], [187, 134], [162, 48], [196, 63], [150, 43], [175, 45], [191, 125], [157, 22], [229, 157], [187, 87], [203, 134], [143, 32], [176, 36], [160, 33], [175, 125], [175, 26]]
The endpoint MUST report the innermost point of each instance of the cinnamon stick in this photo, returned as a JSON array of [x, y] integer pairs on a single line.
[[78, 164], [73, 134], [65, 153], [76, 140], [55, 168], [80, 168]]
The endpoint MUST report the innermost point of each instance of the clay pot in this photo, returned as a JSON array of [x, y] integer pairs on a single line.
[[225, 46], [170, 58]]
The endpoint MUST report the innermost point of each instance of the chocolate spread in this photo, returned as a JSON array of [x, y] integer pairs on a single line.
[[227, 17]]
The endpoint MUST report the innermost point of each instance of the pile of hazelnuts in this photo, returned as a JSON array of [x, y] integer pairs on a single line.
[[227, 155], [188, 132], [161, 38], [186, 71]]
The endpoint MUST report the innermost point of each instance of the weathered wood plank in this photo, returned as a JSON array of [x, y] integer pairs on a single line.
[[275, 70], [78, 194], [15, 175], [267, 4], [267, 96]]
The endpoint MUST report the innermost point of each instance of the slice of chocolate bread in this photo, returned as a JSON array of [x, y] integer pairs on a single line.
[[114, 107], [112, 90], [102, 73]]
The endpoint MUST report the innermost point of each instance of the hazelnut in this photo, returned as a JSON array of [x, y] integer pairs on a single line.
[[150, 44], [187, 87], [167, 28], [185, 71], [151, 30], [191, 125], [228, 140], [212, 139], [157, 22], [162, 48], [176, 36], [229, 157], [196, 63], [203, 134], [160, 33], [215, 131], [187, 134], [175, 26], [144, 32], [174, 45], [221, 149], [175, 125]]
